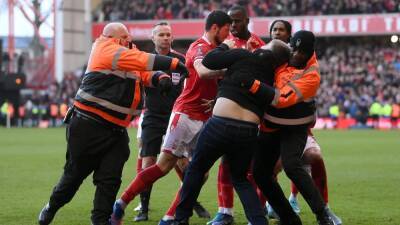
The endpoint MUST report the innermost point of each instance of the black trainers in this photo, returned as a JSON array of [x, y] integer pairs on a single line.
[[324, 219], [291, 221], [336, 220], [221, 219], [180, 222], [201, 211], [46, 215], [141, 216]]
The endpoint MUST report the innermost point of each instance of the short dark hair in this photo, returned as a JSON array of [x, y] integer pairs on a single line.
[[162, 23], [286, 23], [217, 17], [239, 8]]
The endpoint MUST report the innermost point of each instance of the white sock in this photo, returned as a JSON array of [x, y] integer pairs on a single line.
[[223, 210], [292, 196], [122, 203], [166, 218]]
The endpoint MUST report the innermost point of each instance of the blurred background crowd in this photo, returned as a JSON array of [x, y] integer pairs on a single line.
[[360, 75], [192, 9]]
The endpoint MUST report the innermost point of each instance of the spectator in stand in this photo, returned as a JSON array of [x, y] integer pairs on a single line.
[[191, 9]]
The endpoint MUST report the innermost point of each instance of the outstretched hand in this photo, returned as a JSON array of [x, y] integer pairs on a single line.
[[208, 103]]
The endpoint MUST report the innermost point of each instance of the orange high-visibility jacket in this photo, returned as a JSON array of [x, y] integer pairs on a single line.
[[295, 90], [111, 87]]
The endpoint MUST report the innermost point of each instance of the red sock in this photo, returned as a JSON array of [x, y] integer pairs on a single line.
[[179, 172], [293, 189], [261, 196], [174, 204], [318, 173], [225, 187], [145, 178], [139, 165]]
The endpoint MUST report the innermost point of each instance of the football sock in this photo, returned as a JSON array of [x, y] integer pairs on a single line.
[[172, 208], [318, 173], [225, 187], [139, 165], [145, 198], [293, 189], [145, 178]]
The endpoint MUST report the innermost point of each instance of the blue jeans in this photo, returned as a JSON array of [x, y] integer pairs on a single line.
[[238, 141]]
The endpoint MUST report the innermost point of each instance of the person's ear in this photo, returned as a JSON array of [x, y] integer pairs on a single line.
[[214, 28]]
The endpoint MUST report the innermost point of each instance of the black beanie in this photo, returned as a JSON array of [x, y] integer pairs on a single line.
[[303, 40]]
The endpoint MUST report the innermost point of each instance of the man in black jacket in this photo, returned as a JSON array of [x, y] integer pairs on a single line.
[[233, 128]]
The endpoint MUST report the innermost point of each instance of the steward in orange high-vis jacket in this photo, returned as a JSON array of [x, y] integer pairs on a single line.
[[295, 89], [290, 112], [111, 88], [108, 98]]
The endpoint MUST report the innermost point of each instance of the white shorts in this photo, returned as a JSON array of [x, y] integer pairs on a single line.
[[182, 134], [312, 143], [139, 127]]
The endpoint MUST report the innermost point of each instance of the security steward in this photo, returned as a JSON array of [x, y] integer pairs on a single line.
[[284, 131], [107, 100]]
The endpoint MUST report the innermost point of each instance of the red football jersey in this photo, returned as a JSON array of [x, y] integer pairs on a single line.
[[196, 89], [255, 42]]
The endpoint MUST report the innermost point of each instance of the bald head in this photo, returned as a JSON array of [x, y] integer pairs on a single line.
[[118, 31], [280, 51], [115, 30]]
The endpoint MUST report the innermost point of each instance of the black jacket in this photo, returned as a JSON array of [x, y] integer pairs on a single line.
[[241, 65]]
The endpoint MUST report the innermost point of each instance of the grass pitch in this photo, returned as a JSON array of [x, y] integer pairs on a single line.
[[363, 175]]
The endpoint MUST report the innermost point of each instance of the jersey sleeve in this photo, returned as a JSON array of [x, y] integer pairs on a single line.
[[222, 57], [199, 52]]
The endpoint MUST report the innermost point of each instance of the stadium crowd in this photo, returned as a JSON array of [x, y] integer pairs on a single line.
[[355, 75], [44, 108], [191, 9]]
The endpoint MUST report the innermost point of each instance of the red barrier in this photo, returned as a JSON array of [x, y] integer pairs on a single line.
[[348, 123], [335, 25]]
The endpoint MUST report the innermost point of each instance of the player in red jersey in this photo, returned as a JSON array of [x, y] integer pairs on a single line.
[[243, 38], [239, 31], [188, 114]]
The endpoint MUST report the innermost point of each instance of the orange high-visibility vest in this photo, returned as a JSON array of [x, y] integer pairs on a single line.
[[63, 109], [395, 110], [10, 110], [21, 111], [53, 110], [111, 88], [295, 90]]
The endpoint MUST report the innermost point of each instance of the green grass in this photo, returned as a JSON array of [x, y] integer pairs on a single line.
[[363, 175]]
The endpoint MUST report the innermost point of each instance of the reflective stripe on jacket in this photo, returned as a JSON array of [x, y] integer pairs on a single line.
[[295, 91], [111, 87]]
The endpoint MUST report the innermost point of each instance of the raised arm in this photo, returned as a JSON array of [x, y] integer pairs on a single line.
[[222, 57]]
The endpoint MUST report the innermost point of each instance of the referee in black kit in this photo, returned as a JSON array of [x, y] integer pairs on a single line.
[[158, 110]]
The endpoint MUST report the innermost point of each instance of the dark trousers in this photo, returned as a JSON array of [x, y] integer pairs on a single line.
[[288, 143], [92, 147], [238, 141]]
